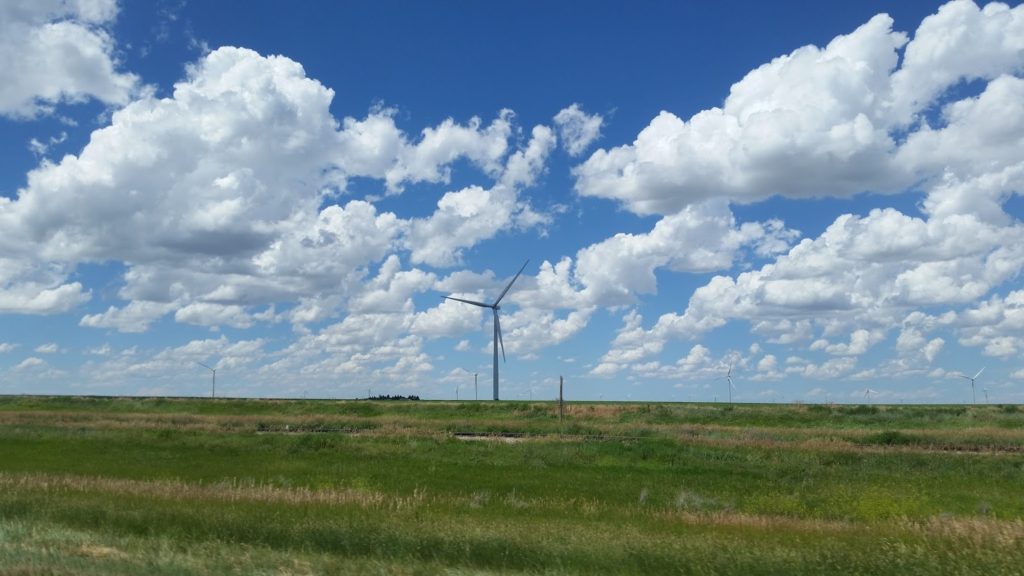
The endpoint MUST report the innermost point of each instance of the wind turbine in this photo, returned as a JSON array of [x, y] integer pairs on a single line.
[[868, 392], [974, 399], [986, 395], [497, 323], [476, 391], [213, 387], [728, 376]]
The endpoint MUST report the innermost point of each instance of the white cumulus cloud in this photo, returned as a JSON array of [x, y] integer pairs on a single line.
[[56, 51], [577, 129]]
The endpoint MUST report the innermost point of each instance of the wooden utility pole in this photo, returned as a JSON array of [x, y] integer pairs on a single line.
[[561, 401]]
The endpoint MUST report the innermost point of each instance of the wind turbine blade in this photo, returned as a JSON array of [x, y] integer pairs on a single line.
[[730, 383], [965, 377], [473, 302], [514, 278], [979, 373], [204, 365], [501, 342]]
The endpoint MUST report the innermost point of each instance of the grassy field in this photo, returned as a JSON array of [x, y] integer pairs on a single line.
[[189, 486]]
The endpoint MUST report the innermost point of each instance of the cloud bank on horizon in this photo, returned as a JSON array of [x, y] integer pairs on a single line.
[[308, 249]]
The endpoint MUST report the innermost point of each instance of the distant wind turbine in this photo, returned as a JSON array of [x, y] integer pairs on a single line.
[[728, 376], [974, 399], [868, 392], [986, 395], [476, 393], [497, 323], [213, 386]]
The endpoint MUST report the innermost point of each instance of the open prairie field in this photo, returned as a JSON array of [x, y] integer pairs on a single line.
[[189, 486]]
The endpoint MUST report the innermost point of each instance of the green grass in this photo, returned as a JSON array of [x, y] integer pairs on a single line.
[[186, 486]]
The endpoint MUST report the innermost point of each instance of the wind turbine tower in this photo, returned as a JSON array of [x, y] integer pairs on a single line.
[[213, 387], [497, 323], [728, 377]]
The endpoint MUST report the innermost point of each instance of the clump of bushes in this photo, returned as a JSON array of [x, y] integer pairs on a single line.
[[890, 438], [394, 397], [860, 409]]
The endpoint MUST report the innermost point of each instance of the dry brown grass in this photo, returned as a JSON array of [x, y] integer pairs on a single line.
[[226, 491], [198, 423], [96, 551], [982, 440], [979, 533], [977, 440]]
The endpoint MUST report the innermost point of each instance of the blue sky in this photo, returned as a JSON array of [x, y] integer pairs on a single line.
[[824, 197]]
